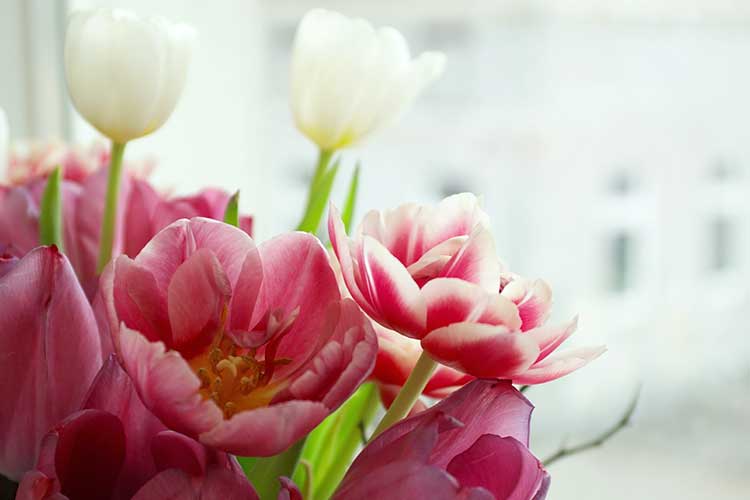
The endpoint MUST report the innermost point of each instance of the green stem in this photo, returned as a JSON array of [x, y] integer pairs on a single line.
[[409, 393], [264, 475], [50, 212], [109, 220], [318, 187]]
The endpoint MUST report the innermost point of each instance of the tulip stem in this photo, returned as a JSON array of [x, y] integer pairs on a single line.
[[320, 189], [409, 393], [109, 219]]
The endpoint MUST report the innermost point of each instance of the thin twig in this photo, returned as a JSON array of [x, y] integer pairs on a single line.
[[623, 422]]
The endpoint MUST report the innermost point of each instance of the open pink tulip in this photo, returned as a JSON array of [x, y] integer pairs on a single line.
[[432, 274], [472, 445], [115, 448], [50, 353], [246, 349]]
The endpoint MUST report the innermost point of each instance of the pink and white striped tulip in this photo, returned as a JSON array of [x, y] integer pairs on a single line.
[[431, 273], [246, 349]]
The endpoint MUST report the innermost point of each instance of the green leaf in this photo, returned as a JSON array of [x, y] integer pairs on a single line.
[[330, 448], [232, 212], [264, 472], [50, 217], [320, 190], [351, 199]]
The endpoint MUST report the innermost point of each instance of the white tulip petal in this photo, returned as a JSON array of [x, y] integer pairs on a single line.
[[125, 74], [348, 79]]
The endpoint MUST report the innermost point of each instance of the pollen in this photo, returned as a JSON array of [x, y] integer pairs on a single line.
[[238, 378]]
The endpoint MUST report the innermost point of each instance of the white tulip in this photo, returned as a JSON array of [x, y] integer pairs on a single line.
[[125, 73], [349, 79]]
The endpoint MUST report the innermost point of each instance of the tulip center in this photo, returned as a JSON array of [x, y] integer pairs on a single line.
[[236, 371]]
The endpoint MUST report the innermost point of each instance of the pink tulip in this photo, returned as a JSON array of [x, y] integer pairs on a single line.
[[50, 352], [115, 448], [246, 349], [142, 212], [432, 274], [472, 445]]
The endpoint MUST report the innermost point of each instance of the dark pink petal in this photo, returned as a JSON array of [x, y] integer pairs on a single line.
[[197, 299], [172, 450], [167, 385], [136, 299], [405, 479], [482, 350], [341, 365], [289, 490], [298, 277], [451, 300], [558, 365], [50, 352], [113, 391], [390, 290], [476, 261], [266, 431], [172, 484], [221, 484], [501, 465], [89, 454], [482, 406]]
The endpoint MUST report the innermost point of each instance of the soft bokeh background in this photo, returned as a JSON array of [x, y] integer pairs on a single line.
[[610, 141]]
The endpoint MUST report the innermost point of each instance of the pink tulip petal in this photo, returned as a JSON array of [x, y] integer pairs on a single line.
[[451, 300], [340, 244], [391, 291], [558, 365], [533, 298], [247, 307], [172, 484], [136, 299], [341, 365], [175, 243], [550, 338], [398, 230], [481, 350], [172, 450], [456, 215], [19, 219], [140, 209], [294, 264], [221, 484], [266, 431], [167, 385], [502, 465], [197, 298], [476, 261], [35, 485], [50, 351]]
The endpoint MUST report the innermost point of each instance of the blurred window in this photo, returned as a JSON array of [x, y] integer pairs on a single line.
[[620, 261], [721, 239]]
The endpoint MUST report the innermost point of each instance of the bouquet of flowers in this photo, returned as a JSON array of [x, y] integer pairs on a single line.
[[152, 349]]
